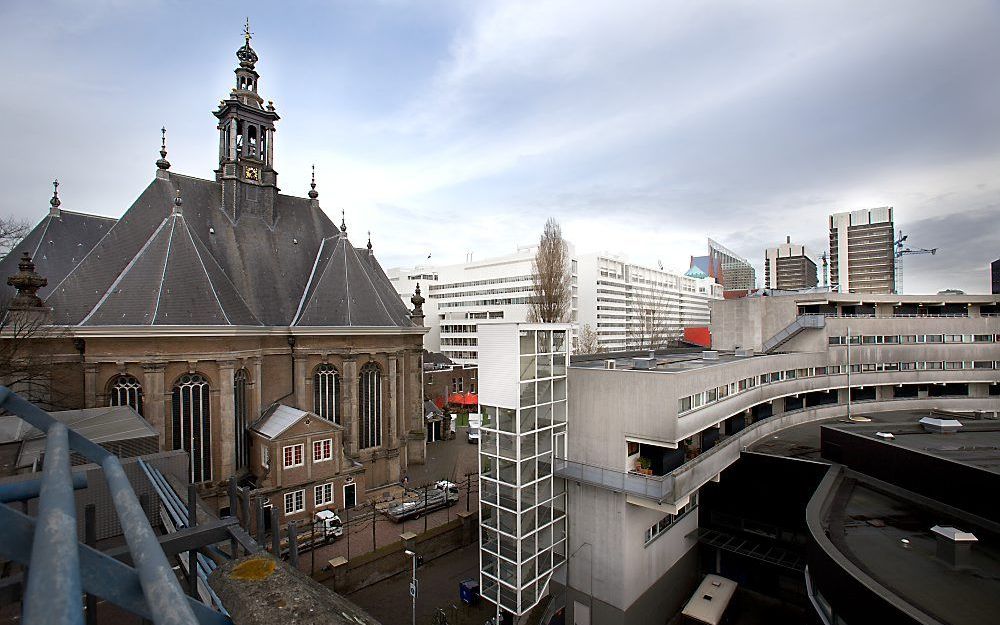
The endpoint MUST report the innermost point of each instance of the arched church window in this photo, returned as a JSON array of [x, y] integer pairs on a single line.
[[370, 406], [326, 392], [241, 380], [192, 426], [125, 390]]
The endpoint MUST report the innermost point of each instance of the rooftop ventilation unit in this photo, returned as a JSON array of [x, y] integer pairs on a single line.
[[609, 364], [710, 355], [745, 352], [940, 426], [643, 363], [953, 545]]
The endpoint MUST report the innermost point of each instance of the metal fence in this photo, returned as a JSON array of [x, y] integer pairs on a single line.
[[62, 569]]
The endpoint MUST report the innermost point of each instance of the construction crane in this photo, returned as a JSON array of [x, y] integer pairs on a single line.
[[900, 250]]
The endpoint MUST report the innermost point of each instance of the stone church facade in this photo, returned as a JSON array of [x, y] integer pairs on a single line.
[[212, 301]]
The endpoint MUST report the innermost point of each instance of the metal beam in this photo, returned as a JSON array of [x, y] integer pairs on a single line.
[[100, 574], [184, 539], [29, 489]]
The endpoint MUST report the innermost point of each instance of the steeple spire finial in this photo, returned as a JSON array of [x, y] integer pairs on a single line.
[[54, 202], [162, 162], [343, 221], [246, 55], [313, 193]]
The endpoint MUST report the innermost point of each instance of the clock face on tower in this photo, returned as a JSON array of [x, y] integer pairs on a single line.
[[251, 173]]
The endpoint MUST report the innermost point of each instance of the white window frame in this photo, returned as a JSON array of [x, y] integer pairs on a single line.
[[329, 450], [302, 456], [298, 501], [323, 489]]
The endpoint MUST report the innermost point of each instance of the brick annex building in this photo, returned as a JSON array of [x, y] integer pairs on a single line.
[[241, 322]]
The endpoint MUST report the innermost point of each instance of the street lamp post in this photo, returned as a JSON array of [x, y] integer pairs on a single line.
[[413, 584]]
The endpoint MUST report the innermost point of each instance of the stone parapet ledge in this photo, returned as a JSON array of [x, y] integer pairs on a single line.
[[259, 590]]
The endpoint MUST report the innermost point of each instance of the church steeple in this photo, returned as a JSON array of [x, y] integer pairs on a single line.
[[246, 135]]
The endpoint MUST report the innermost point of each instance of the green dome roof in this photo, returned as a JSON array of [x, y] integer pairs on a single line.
[[695, 272]]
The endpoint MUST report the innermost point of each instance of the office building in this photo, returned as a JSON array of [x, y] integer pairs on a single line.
[[995, 276], [646, 436], [461, 295], [729, 269], [862, 255], [522, 507], [789, 267], [633, 307]]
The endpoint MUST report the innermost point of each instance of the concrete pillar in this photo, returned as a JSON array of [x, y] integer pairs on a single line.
[[778, 405], [300, 371], [227, 419], [90, 384], [154, 400], [349, 399]]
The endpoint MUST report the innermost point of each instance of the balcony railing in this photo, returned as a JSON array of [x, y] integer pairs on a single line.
[[657, 488]]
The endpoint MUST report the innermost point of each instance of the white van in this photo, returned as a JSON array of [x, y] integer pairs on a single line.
[[475, 419]]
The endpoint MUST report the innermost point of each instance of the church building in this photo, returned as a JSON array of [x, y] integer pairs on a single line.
[[232, 317]]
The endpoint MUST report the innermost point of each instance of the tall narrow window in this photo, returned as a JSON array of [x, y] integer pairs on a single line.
[[125, 390], [192, 426], [240, 381], [370, 406], [326, 393]]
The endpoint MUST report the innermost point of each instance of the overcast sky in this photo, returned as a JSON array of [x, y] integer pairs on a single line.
[[450, 127]]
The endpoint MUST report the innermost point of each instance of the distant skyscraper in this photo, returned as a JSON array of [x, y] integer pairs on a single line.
[[861, 251], [789, 267], [995, 273], [729, 269]]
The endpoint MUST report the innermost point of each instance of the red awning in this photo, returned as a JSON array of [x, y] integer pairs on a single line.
[[463, 399]]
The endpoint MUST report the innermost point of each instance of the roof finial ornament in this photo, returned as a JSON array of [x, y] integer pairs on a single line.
[[246, 55], [369, 241], [162, 162], [54, 202], [27, 283], [343, 221], [313, 193], [177, 203], [417, 315]]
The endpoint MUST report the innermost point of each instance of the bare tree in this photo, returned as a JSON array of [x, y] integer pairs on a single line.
[[12, 230], [588, 343], [647, 323], [550, 277], [32, 352]]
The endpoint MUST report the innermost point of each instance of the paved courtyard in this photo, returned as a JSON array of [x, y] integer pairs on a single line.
[[450, 460], [389, 600]]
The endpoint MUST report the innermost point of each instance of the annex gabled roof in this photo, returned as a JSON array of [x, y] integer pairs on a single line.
[[172, 280], [348, 288], [299, 270], [56, 245], [279, 418]]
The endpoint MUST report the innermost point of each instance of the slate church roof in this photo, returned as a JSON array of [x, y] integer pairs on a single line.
[[56, 244], [200, 268]]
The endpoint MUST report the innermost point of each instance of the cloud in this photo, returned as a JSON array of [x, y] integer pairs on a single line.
[[643, 126]]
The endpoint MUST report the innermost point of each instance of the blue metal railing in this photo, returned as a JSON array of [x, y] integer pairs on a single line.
[[61, 568]]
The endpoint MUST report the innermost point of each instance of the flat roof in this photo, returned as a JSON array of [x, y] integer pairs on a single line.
[[803, 441], [888, 535], [671, 360]]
